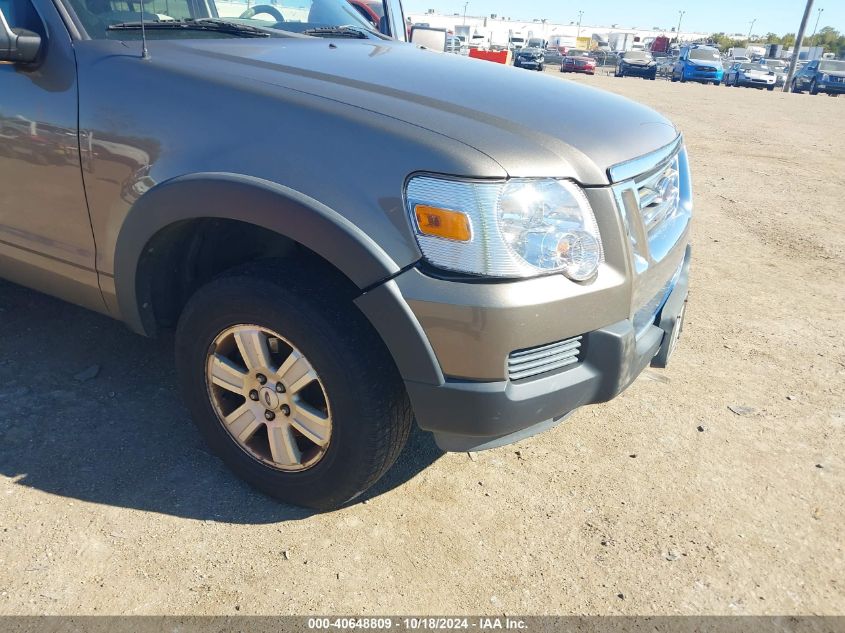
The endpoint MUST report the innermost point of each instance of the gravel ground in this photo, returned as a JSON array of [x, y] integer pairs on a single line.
[[714, 487]]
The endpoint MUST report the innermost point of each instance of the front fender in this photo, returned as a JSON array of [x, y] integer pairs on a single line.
[[247, 199]]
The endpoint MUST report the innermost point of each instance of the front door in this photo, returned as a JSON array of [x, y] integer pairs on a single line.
[[46, 240]]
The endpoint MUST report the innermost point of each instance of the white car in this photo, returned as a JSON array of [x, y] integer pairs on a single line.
[[749, 74]]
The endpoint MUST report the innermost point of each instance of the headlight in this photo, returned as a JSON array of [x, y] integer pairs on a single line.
[[518, 228], [825, 77]]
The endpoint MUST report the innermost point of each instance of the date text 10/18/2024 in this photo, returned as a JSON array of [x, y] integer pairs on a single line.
[[418, 624]]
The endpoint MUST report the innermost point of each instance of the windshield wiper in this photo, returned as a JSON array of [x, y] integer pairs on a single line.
[[202, 24], [338, 31]]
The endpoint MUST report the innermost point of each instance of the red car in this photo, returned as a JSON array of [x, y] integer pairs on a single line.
[[578, 62]]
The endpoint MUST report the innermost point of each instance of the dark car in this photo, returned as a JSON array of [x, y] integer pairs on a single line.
[[636, 64], [529, 57], [820, 75], [578, 61], [478, 270], [552, 56]]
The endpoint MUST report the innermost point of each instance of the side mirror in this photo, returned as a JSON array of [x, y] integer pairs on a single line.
[[434, 39], [17, 45]]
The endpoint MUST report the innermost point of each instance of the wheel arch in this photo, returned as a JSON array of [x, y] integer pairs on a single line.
[[253, 201], [172, 208]]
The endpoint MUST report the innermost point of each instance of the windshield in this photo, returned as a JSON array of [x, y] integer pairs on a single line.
[[704, 53], [832, 66], [753, 67], [576, 52], [640, 55], [277, 16]]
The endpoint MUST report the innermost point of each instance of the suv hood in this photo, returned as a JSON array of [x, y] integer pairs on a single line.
[[571, 131]]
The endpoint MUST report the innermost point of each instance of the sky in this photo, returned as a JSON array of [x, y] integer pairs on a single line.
[[710, 16]]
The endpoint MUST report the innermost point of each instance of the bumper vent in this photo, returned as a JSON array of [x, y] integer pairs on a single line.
[[538, 360]]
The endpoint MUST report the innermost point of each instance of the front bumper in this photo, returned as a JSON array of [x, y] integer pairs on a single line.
[[703, 75], [461, 344], [468, 415], [757, 83], [572, 68], [832, 88], [639, 71], [529, 63]]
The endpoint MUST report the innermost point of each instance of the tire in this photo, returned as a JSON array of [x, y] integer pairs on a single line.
[[716, 83], [683, 79], [673, 78], [814, 89], [365, 403], [736, 81], [794, 87], [540, 68], [770, 88]]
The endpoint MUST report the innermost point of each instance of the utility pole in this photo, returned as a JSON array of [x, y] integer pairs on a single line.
[[578, 33], [678, 30], [465, 13], [796, 49], [749, 30], [818, 15]]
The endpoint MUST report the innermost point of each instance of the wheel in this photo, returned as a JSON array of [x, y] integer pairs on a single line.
[[683, 78], [291, 388], [770, 88], [716, 83], [262, 8], [540, 68], [736, 81], [814, 89], [673, 78], [793, 87]]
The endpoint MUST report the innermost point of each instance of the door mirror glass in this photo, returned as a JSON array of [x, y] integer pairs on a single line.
[[17, 45], [434, 39]]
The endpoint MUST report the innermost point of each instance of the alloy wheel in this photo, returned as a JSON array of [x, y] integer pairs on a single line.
[[268, 397]]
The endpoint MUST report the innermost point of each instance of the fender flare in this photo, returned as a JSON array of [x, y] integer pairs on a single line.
[[247, 199]]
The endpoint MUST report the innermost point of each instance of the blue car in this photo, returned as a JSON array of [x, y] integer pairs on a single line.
[[699, 63]]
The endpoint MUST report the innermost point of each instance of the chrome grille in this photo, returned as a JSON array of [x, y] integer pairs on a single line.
[[658, 195], [538, 360]]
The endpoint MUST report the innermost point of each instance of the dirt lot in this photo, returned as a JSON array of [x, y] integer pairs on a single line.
[[663, 501]]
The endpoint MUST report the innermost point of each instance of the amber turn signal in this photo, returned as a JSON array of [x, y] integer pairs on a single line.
[[452, 225]]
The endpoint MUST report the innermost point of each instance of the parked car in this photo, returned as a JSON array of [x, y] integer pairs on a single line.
[[576, 61], [636, 64], [552, 56], [321, 305], [529, 57], [665, 66], [780, 68], [750, 74], [821, 75], [699, 63], [370, 10]]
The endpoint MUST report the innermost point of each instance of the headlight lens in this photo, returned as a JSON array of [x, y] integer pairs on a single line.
[[825, 77], [519, 228]]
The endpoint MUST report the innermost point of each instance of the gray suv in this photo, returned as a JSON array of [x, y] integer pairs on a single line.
[[344, 233]]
